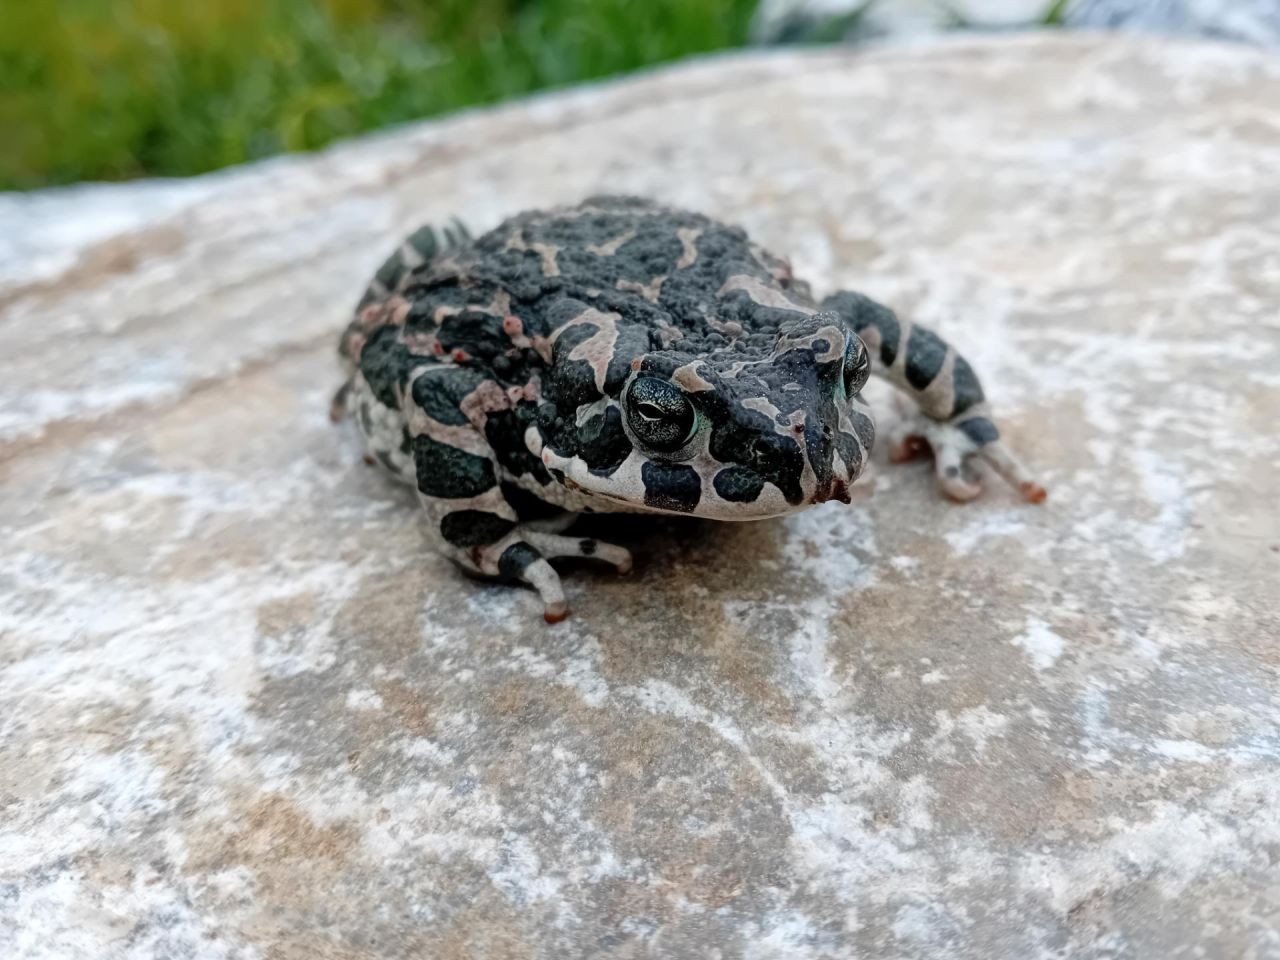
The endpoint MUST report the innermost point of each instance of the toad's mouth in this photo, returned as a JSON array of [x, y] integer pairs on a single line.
[[701, 487]]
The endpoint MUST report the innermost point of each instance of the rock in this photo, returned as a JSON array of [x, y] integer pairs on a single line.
[[246, 714], [858, 21], [1248, 21]]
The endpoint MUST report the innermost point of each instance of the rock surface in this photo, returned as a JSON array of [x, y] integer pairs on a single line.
[[236, 721], [1255, 22]]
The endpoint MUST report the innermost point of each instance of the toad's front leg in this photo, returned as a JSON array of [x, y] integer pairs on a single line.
[[952, 418], [476, 523]]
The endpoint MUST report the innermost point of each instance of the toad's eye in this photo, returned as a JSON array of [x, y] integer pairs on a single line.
[[659, 414], [857, 365]]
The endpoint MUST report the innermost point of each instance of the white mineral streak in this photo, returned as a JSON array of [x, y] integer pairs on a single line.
[[245, 714]]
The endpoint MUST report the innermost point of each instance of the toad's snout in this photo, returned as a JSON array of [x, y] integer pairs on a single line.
[[836, 489], [836, 453]]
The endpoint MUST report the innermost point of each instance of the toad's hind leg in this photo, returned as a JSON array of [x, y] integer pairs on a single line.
[[952, 418], [489, 531]]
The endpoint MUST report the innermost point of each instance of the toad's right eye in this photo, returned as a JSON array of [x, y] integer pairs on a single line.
[[659, 414]]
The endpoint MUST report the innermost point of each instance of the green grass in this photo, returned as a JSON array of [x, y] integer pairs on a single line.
[[112, 89]]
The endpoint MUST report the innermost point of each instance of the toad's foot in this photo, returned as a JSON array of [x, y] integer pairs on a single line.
[[524, 554], [954, 444]]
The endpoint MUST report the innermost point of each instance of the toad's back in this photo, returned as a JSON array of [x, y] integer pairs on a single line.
[[698, 283]]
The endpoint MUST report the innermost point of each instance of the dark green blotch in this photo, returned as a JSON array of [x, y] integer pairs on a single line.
[[450, 473], [980, 430], [751, 441], [925, 353], [440, 391], [671, 486], [391, 271], [474, 528], [738, 484], [516, 559], [424, 240], [862, 313], [385, 362], [572, 382], [864, 427], [849, 452], [504, 429], [968, 391], [602, 443], [479, 334], [528, 506]]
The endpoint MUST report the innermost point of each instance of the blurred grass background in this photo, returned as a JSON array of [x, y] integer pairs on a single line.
[[113, 89]]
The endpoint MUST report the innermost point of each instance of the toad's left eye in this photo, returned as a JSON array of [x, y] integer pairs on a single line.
[[659, 414], [857, 364]]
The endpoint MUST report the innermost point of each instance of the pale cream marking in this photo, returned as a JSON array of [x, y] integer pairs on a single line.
[[762, 405], [488, 397], [688, 242], [547, 251], [387, 427], [808, 479], [513, 327], [872, 340], [530, 391], [423, 344], [543, 346], [588, 410], [770, 503], [499, 306], [410, 257], [688, 379], [832, 334], [763, 294], [463, 436], [649, 291], [623, 490], [667, 333], [845, 425], [446, 266], [900, 359], [730, 328], [597, 349], [624, 485], [516, 241], [391, 311], [939, 397], [779, 268], [576, 213], [609, 248], [533, 440], [490, 501], [783, 429]]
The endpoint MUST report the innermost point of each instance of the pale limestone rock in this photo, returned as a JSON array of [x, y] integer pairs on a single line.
[[244, 713], [780, 21]]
